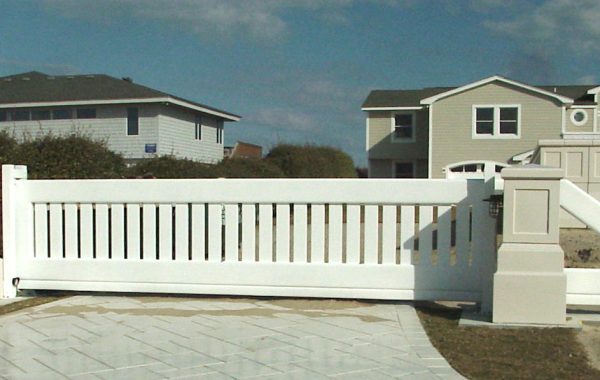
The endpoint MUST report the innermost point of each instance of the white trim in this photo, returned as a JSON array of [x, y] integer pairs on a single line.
[[469, 86], [367, 136], [411, 108], [563, 124], [595, 90], [395, 140], [522, 156], [578, 123], [582, 106], [496, 135], [429, 147], [414, 167], [166, 99]]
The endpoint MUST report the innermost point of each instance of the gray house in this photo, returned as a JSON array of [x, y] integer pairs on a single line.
[[422, 133], [134, 120]]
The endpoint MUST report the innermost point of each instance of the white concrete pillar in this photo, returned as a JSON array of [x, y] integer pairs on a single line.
[[530, 284]]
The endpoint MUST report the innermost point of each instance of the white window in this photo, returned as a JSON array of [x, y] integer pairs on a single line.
[[404, 170], [198, 128], [492, 121], [220, 132], [403, 127], [579, 117]]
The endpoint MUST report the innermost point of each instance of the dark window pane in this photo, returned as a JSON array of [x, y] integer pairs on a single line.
[[61, 114], [485, 114], [471, 168], [19, 115], [404, 120], [508, 113], [579, 116], [404, 170], [485, 127], [3, 116], [86, 113], [508, 127], [403, 132], [132, 121], [40, 115]]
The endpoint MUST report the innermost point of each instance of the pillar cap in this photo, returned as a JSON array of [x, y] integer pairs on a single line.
[[532, 172]]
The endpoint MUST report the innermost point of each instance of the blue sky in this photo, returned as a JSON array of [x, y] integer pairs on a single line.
[[298, 70]]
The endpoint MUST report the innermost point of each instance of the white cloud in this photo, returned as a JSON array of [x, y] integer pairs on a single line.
[[261, 20], [284, 118], [555, 24]]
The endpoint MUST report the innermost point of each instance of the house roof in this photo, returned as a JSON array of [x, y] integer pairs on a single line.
[[38, 89], [398, 99]]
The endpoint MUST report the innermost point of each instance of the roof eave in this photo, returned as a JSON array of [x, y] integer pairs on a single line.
[[393, 108], [430, 100]]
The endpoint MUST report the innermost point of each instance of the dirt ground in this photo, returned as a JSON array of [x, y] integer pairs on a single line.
[[581, 247]]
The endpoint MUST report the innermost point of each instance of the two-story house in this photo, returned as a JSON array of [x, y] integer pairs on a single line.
[[418, 133], [134, 120]]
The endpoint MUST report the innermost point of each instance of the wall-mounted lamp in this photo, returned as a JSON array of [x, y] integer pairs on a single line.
[[496, 203]]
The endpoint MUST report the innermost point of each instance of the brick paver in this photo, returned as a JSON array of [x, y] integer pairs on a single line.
[[110, 337]]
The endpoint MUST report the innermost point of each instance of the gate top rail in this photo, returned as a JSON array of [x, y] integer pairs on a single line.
[[337, 191]]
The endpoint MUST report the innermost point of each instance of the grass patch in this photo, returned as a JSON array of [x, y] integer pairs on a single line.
[[29, 302], [505, 353]]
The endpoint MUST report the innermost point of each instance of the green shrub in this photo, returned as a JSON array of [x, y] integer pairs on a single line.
[[247, 168], [311, 161], [170, 167], [72, 156], [8, 148]]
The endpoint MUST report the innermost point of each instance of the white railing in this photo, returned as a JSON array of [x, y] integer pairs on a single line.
[[409, 239], [580, 204]]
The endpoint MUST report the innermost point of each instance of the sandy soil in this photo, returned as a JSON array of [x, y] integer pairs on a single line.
[[582, 248]]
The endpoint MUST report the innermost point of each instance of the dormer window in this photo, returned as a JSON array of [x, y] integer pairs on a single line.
[[403, 127]]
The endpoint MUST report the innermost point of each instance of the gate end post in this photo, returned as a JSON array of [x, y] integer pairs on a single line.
[[10, 175], [530, 283]]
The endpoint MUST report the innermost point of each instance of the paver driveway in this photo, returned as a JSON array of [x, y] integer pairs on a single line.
[[107, 337]]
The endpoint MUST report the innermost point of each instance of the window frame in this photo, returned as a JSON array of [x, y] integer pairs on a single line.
[[394, 171], [220, 127], [496, 135], [581, 123], [198, 128], [137, 119], [413, 127]]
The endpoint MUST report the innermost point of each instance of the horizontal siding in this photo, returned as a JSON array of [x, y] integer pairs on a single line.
[[110, 126], [385, 168], [587, 127], [379, 142], [177, 136], [541, 118]]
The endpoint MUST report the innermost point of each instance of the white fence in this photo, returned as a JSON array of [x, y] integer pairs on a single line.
[[383, 239]]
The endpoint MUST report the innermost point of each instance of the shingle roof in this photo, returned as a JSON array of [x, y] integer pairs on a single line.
[[36, 87], [412, 98]]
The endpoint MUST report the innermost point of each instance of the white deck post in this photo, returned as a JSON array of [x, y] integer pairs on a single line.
[[530, 283], [10, 175]]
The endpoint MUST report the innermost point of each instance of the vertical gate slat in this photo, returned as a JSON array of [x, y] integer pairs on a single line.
[[317, 233], [353, 234], [388, 235], [165, 228], [181, 232], [86, 227], [198, 231], [117, 231], [215, 230], [407, 234], [425, 234], [462, 235], [248, 232], [300, 233], [41, 229], [231, 232], [102, 231], [56, 231], [444, 229], [71, 231], [371, 227], [265, 233], [149, 231], [282, 233], [335, 233], [133, 231]]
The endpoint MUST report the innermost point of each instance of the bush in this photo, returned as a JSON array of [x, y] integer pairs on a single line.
[[171, 167], [68, 157], [8, 148], [311, 161], [247, 168]]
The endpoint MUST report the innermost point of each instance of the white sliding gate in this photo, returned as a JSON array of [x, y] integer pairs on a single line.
[[382, 239]]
